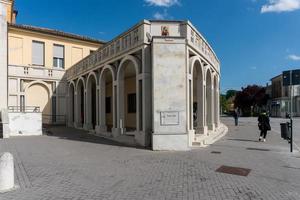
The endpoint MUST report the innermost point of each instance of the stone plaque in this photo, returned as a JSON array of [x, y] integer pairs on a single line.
[[169, 118]]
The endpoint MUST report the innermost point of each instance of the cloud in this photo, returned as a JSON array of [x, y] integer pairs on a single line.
[[294, 57], [162, 15], [253, 68], [280, 6], [159, 15], [162, 3]]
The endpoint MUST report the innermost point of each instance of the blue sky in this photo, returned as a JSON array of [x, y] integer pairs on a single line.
[[254, 39]]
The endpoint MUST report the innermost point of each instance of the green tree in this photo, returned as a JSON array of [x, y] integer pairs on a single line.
[[253, 96], [230, 93]]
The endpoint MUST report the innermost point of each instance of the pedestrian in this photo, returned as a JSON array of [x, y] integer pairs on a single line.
[[236, 116], [263, 125]]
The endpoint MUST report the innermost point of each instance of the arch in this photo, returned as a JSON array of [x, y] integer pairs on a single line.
[[197, 96], [128, 58], [209, 99], [128, 95], [38, 82], [91, 101], [193, 60], [112, 70], [80, 102], [107, 98], [42, 100], [92, 74], [78, 81]]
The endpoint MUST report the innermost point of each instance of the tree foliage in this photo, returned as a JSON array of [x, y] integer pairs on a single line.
[[252, 96], [230, 93]]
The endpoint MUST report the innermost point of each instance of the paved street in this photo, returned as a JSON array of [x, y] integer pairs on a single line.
[[69, 164]]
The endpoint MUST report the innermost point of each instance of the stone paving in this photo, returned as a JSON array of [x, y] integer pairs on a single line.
[[73, 165]]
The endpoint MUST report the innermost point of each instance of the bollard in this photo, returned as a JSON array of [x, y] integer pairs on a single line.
[[6, 172]]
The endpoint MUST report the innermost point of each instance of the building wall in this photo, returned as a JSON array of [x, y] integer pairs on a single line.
[[3, 56], [41, 86], [20, 48], [169, 94]]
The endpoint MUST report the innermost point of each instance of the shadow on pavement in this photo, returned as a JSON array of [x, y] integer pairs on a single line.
[[242, 140], [66, 133]]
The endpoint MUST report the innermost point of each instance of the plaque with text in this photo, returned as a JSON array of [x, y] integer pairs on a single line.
[[169, 118]]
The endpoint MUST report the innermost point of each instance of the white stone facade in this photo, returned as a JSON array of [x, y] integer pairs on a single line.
[[167, 70], [3, 56]]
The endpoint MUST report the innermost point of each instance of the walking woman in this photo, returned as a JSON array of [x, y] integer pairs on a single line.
[[264, 125]]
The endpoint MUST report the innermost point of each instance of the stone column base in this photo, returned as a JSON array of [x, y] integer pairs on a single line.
[[201, 130], [101, 129], [211, 127], [116, 132], [88, 126], [71, 124], [191, 137], [78, 125]]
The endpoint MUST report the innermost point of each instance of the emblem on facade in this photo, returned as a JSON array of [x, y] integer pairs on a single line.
[[165, 31]]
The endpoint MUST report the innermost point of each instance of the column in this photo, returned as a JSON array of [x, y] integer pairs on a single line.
[[3, 57], [76, 111], [97, 106], [85, 121]]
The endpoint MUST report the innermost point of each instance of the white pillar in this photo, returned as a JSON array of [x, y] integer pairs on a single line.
[[120, 104], [102, 103], [97, 105], [3, 57], [85, 121], [217, 107], [6, 172], [76, 110], [213, 106]]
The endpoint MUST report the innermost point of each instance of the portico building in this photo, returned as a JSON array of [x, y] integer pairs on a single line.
[[158, 83]]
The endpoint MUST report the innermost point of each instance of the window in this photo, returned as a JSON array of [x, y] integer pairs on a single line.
[[131, 103], [38, 53], [92, 51], [59, 56], [108, 105]]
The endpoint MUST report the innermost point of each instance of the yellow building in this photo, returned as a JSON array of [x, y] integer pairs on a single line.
[[37, 60]]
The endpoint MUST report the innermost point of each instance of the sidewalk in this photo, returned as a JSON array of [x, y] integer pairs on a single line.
[[74, 165]]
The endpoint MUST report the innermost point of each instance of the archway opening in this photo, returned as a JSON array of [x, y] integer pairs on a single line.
[[80, 103], [216, 101], [209, 102], [42, 100], [72, 103], [128, 97], [108, 99], [92, 99], [198, 102]]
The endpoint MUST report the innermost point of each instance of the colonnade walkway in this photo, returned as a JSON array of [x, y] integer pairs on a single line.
[[70, 164]]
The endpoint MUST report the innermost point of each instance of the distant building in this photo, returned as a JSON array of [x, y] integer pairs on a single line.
[[280, 102]]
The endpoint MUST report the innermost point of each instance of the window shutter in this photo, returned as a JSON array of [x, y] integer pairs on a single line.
[[38, 53], [58, 51]]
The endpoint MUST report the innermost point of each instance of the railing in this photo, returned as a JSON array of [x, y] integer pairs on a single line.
[[23, 109], [201, 44], [131, 39], [35, 72], [54, 119], [124, 42]]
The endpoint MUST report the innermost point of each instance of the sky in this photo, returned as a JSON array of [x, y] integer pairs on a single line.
[[254, 40]]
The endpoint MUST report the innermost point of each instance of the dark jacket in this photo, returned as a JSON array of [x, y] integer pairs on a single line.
[[264, 122]]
